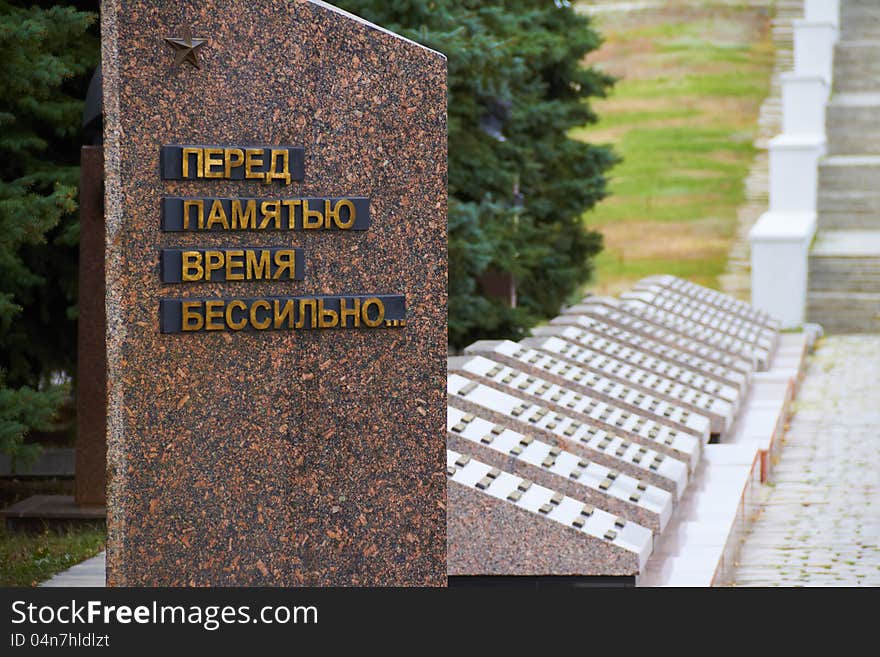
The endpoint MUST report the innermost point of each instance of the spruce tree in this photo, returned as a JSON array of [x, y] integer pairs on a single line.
[[517, 86], [46, 52]]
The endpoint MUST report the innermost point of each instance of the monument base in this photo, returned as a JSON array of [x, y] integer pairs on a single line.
[[558, 581]]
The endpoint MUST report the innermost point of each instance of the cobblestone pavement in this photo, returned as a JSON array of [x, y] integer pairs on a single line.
[[820, 522]]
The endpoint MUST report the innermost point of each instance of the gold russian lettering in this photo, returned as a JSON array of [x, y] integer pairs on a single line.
[[257, 324], [253, 158], [257, 265], [197, 204], [345, 312], [327, 318], [291, 204], [313, 307], [191, 266], [234, 158], [270, 210], [214, 311], [283, 313], [191, 318], [199, 162], [244, 220], [380, 314], [217, 215], [236, 304], [311, 218], [274, 173], [234, 261], [213, 262], [285, 260], [335, 214], [213, 158]]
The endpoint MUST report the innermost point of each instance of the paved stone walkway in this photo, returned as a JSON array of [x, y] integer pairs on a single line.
[[820, 523], [88, 573]]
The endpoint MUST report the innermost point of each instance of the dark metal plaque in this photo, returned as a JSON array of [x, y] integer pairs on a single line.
[[278, 263], [282, 313], [257, 163], [181, 214]]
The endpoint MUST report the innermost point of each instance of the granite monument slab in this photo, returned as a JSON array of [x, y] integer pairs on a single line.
[[624, 418], [560, 430], [506, 525], [562, 470], [276, 296], [587, 326], [612, 311]]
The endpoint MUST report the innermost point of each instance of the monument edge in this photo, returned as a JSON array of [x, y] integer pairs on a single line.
[[362, 21], [114, 289]]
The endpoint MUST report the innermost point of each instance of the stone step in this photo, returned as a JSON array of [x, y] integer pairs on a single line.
[[845, 261], [849, 194], [857, 66], [849, 210], [855, 202], [847, 244], [849, 173], [844, 274], [845, 312], [859, 20], [853, 124], [844, 281]]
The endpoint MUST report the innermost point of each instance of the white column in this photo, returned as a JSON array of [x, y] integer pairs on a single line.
[[780, 239], [794, 172], [814, 48], [780, 244], [823, 11], [803, 103]]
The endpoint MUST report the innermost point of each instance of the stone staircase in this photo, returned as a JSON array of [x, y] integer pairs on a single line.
[[844, 266]]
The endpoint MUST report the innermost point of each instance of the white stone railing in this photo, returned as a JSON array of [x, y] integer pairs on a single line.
[[780, 239]]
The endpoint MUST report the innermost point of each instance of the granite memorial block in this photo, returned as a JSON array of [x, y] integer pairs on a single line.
[[627, 420], [703, 312], [609, 380], [507, 525], [276, 296], [562, 431], [688, 398], [639, 357], [609, 310], [587, 327], [91, 366], [685, 327], [558, 469], [705, 316], [712, 298]]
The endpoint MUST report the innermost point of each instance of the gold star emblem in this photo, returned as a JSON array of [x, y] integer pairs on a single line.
[[186, 49]]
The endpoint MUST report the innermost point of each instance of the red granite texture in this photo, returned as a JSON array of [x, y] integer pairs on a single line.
[[91, 366], [608, 459], [650, 347], [570, 316], [538, 373], [278, 457], [716, 421], [565, 485], [488, 536]]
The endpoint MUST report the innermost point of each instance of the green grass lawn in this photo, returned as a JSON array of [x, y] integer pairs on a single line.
[[26, 559], [684, 118]]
